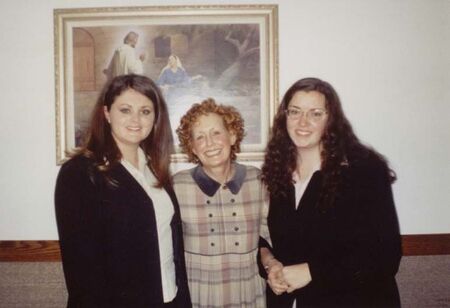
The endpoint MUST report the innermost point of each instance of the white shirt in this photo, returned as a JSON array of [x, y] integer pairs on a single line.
[[164, 211], [300, 186]]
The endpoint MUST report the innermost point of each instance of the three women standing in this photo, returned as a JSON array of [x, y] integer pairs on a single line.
[[118, 219], [332, 220]]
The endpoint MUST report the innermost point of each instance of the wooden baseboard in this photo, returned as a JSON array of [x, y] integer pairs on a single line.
[[426, 244], [26, 251], [30, 251]]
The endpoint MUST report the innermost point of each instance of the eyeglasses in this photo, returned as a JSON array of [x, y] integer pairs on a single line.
[[313, 115]]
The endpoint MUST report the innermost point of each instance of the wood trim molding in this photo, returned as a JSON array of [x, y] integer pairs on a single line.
[[32, 251], [26, 251], [426, 244]]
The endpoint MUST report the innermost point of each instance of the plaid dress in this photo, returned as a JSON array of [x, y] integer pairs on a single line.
[[221, 227]]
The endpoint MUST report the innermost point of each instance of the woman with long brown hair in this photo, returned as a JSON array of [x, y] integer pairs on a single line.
[[118, 218], [332, 220]]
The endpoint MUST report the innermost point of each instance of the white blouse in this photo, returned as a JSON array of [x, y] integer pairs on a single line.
[[164, 212], [300, 186]]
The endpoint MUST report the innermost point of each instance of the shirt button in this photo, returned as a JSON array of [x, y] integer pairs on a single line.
[[232, 200], [210, 215], [236, 244], [212, 230], [224, 187], [234, 213], [208, 202], [236, 228], [212, 244]]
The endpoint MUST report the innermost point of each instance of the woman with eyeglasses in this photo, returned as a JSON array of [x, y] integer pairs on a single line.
[[332, 220]]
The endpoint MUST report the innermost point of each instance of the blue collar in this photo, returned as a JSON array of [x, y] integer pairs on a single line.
[[210, 186]]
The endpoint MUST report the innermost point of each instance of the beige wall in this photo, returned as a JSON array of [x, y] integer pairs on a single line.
[[389, 61]]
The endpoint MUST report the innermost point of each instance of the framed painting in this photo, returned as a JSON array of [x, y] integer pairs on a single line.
[[228, 53]]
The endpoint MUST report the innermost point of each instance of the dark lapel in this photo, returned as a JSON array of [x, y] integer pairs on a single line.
[[308, 201]]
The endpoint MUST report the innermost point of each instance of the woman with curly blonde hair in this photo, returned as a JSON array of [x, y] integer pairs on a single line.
[[223, 209], [332, 219]]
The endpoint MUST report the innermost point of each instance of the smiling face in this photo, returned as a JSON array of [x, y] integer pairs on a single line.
[[211, 141], [131, 117], [306, 131]]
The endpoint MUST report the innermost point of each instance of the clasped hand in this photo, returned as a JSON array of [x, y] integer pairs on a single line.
[[287, 278]]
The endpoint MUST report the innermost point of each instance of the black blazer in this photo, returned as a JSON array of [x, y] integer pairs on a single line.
[[109, 241], [353, 249]]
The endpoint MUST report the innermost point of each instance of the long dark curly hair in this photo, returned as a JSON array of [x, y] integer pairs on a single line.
[[340, 146]]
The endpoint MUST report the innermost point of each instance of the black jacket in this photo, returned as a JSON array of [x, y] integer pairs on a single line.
[[353, 249], [109, 240]]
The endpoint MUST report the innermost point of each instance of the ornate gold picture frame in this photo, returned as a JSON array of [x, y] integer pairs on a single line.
[[227, 52]]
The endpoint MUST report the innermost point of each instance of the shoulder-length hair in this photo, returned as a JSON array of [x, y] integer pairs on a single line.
[[99, 144], [232, 119], [340, 146]]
